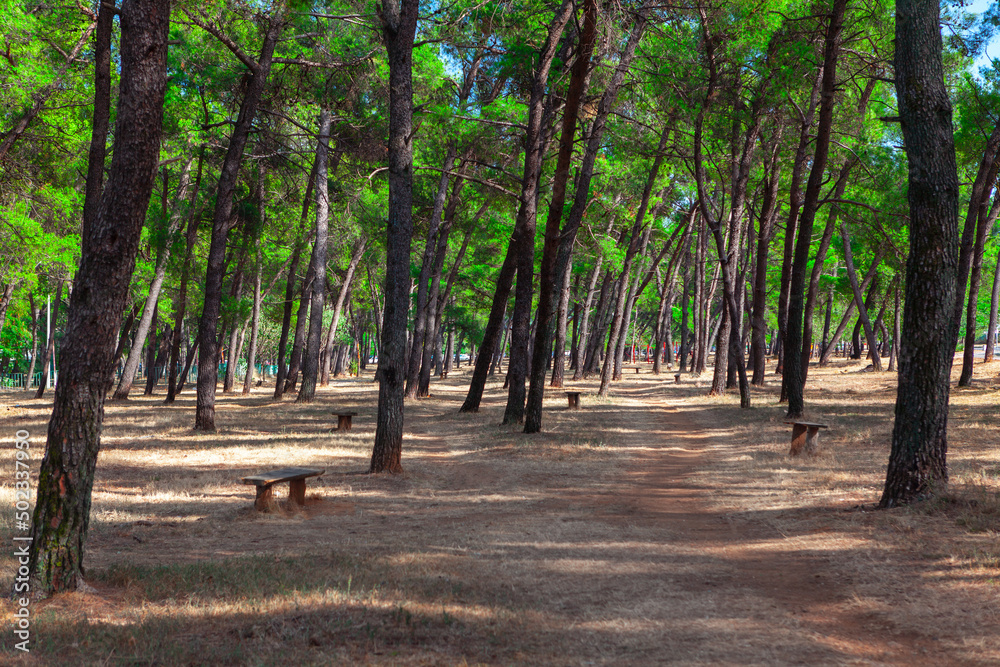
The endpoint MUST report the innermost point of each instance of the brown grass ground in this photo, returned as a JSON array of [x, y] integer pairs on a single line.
[[658, 526]]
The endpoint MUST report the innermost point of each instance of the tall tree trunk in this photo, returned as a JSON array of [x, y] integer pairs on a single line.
[[151, 349], [792, 376], [984, 226], [795, 206], [991, 331], [517, 247], [917, 462], [338, 307], [562, 317], [584, 335], [254, 328], [399, 24], [423, 281], [221, 224], [559, 243], [50, 344], [894, 353], [286, 317], [65, 481], [310, 365], [549, 274], [152, 300], [852, 275], [769, 209], [101, 119], [36, 314], [180, 303]]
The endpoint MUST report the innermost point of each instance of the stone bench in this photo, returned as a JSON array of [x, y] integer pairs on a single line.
[[265, 481]]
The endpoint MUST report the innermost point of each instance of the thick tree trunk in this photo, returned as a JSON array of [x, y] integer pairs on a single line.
[[399, 23], [917, 462], [65, 482], [221, 224]]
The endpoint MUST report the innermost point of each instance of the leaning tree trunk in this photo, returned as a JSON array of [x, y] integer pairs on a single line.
[[792, 376], [858, 299], [917, 462], [221, 224], [66, 478], [338, 307], [533, 154], [310, 365], [399, 25], [984, 225], [149, 309]]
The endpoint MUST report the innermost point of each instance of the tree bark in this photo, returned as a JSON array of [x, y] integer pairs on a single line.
[[254, 328], [65, 482], [399, 24], [917, 461]]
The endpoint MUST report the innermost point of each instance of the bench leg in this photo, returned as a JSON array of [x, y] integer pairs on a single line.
[[343, 422], [265, 498], [297, 492], [798, 439], [812, 441]]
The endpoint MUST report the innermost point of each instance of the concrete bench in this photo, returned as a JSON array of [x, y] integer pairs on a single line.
[[265, 481], [805, 437]]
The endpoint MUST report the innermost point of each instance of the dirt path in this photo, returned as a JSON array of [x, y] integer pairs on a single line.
[[793, 596]]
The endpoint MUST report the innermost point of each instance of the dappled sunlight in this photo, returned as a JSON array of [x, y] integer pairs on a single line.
[[655, 519]]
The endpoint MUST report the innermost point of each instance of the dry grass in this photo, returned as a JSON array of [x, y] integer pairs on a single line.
[[656, 526]]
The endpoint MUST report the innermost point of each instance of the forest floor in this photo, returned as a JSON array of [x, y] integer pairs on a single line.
[[656, 526]]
